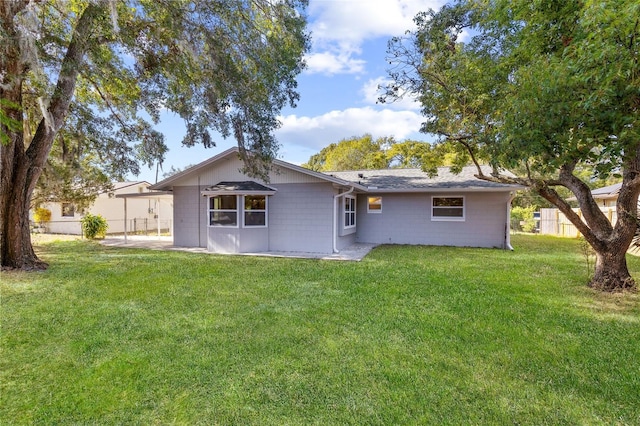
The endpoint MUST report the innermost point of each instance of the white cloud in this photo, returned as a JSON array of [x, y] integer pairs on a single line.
[[353, 21], [371, 92], [333, 63], [314, 133], [338, 28]]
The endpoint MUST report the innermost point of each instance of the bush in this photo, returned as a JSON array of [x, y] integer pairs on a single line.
[[522, 219], [42, 215], [94, 226]]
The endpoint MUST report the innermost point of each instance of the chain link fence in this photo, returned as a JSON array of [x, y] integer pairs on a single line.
[[134, 226]]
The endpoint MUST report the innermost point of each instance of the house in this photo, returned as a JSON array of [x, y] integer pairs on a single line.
[[299, 210], [146, 212], [607, 196]]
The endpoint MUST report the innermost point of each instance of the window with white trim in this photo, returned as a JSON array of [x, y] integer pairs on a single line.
[[255, 210], [223, 210], [374, 204], [349, 211], [447, 208]]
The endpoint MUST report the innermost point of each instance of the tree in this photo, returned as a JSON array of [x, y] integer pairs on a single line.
[[365, 153], [356, 153], [75, 171], [97, 74], [543, 89]]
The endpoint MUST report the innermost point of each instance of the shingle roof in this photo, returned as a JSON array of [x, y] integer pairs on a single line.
[[610, 191], [416, 179]]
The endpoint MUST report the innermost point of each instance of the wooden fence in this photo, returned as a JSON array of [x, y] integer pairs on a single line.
[[554, 222]]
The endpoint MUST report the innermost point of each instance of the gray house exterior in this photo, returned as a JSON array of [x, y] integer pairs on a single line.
[[218, 207]]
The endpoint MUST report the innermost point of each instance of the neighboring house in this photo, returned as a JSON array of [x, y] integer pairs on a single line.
[[218, 207], [607, 196], [142, 213]]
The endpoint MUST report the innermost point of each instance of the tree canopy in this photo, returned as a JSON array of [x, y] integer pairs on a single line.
[[92, 78], [355, 153], [366, 153], [544, 89]]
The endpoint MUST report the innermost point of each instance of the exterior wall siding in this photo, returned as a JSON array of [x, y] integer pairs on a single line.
[[237, 240], [301, 218], [228, 169], [189, 217], [406, 219]]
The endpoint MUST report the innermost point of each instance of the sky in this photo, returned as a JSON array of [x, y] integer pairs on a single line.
[[338, 89]]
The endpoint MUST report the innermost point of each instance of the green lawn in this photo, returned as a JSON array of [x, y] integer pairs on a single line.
[[410, 335]]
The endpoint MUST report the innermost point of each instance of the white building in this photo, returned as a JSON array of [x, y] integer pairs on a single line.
[[146, 211]]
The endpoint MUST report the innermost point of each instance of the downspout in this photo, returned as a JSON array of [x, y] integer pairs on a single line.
[[199, 214], [507, 235], [158, 214], [335, 218]]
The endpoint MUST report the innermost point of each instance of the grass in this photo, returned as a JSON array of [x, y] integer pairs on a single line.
[[410, 335]]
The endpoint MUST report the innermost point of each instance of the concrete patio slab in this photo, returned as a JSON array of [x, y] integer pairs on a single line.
[[355, 252]]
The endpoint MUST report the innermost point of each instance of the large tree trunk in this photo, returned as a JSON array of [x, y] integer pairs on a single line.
[[15, 238], [611, 273], [21, 166], [609, 242]]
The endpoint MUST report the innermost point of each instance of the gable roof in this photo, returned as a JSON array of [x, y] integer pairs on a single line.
[[385, 180], [167, 184], [415, 180]]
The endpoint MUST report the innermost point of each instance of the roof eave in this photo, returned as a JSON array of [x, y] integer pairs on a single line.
[[150, 194], [442, 189]]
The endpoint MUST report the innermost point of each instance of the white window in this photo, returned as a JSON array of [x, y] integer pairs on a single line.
[[223, 210], [447, 208], [255, 210], [349, 211], [374, 204]]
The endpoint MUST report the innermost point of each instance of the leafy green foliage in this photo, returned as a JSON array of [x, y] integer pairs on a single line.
[[365, 153], [226, 66], [7, 122], [94, 226], [75, 173], [357, 153], [522, 218], [517, 94]]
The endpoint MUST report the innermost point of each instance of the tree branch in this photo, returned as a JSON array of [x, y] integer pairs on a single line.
[[63, 94], [592, 214], [106, 101]]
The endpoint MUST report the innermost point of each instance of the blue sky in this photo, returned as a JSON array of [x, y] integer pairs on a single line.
[[338, 90]]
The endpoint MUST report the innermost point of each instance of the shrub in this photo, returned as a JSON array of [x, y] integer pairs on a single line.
[[42, 215], [94, 226], [522, 219]]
